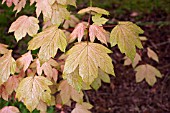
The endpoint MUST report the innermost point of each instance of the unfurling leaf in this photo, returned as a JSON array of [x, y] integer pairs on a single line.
[[82, 108], [49, 40], [96, 84], [78, 32], [125, 34], [24, 61], [98, 20], [135, 61], [147, 72], [99, 33], [88, 57], [24, 25], [9, 109], [9, 2], [3, 48], [152, 54], [33, 89], [67, 93], [93, 9], [7, 66]]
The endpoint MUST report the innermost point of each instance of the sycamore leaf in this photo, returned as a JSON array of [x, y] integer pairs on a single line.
[[3, 48], [3, 92], [71, 22], [93, 9], [67, 93], [88, 57], [42, 106], [98, 20], [82, 108], [59, 13], [24, 25], [24, 61], [67, 2], [152, 54], [99, 33], [96, 84], [78, 32], [21, 4], [9, 109], [50, 39], [9, 2], [44, 6], [7, 66], [125, 34], [135, 61], [33, 89], [147, 72]]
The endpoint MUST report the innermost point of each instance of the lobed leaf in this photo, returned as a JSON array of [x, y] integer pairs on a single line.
[[18, 7], [152, 54], [125, 34], [82, 108], [3, 48], [98, 20], [9, 109]]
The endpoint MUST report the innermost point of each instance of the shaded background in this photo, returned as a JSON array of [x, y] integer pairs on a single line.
[[123, 94]]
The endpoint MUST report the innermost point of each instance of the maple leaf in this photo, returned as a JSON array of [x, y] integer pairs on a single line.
[[98, 20], [3, 92], [24, 25], [9, 109], [152, 54], [67, 93], [88, 57], [147, 72], [59, 13], [71, 22], [9, 2], [44, 6], [135, 61], [99, 33], [82, 108], [33, 89], [24, 61], [7, 66], [42, 106], [21, 4], [93, 9], [50, 39], [96, 84], [3, 48], [67, 2], [78, 32], [125, 34]]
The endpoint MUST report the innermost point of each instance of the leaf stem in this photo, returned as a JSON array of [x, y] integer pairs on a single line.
[[91, 3]]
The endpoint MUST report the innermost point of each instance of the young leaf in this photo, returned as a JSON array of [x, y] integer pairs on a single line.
[[96, 84], [33, 89], [3, 92], [21, 4], [98, 20], [3, 48], [147, 72], [99, 33], [71, 22], [9, 2], [7, 66], [49, 40], [42, 106], [82, 108], [78, 32], [9, 109], [67, 2], [67, 93], [152, 54], [93, 9], [135, 61], [24, 61], [88, 57], [125, 34], [24, 25]]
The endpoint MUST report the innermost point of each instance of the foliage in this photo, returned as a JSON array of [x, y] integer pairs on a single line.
[[42, 79]]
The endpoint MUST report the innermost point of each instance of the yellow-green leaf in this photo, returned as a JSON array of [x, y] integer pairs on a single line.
[[33, 89], [49, 40], [7, 66], [147, 72], [126, 35], [88, 57], [93, 9], [24, 25], [98, 20], [67, 2]]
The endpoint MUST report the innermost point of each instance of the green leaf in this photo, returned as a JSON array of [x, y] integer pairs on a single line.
[[126, 35], [98, 20]]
